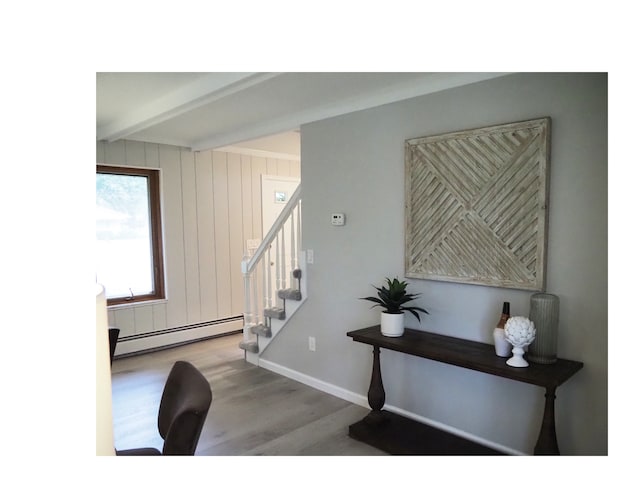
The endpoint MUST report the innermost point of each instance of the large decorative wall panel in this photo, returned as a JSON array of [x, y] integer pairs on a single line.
[[476, 205]]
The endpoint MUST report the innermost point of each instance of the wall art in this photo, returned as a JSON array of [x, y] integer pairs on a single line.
[[476, 205]]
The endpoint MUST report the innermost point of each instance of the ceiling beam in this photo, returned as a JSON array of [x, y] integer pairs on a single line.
[[430, 83], [204, 90]]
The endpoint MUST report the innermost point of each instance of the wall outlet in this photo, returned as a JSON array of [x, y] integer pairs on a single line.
[[337, 219], [312, 344], [309, 256]]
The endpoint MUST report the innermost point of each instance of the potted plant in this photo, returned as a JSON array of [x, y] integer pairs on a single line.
[[392, 297]]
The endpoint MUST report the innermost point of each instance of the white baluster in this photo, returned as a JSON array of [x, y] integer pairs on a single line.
[[283, 262], [269, 289], [293, 246], [257, 315], [247, 302], [277, 265], [299, 215]]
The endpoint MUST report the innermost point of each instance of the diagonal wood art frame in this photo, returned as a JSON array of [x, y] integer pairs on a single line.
[[476, 205]]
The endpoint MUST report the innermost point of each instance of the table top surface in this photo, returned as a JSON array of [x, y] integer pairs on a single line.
[[467, 354]]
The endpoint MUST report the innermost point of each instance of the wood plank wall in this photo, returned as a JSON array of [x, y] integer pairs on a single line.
[[211, 207]]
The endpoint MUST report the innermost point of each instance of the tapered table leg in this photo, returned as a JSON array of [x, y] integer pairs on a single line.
[[547, 441], [376, 396]]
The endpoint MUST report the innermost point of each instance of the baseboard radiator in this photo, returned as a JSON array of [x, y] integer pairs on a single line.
[[172, 337]]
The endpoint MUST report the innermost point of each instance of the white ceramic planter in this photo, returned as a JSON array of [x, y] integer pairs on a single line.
[[392, 324]]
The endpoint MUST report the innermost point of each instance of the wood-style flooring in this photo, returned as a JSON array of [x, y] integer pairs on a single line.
[[254, 411]]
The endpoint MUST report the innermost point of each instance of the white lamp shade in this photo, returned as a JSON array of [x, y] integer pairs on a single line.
[[104, 415]]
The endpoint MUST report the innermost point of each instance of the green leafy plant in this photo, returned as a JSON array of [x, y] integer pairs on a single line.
[[393, 296]]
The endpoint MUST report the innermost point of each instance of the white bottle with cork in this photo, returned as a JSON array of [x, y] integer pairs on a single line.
[[503, 347]]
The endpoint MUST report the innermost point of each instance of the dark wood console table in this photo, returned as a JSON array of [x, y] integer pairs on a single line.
[[379, 427]]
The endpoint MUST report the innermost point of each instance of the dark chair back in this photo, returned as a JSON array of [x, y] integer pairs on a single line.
[[114, 333], [183, 409]]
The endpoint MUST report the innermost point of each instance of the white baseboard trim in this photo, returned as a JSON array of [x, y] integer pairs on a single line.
[[125, 346], [361, 400], [315, 383]]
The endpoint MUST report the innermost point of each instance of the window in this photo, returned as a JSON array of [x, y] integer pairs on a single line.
[[129, 234]]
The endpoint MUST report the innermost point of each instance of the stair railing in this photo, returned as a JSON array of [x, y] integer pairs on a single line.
[[265, 271]]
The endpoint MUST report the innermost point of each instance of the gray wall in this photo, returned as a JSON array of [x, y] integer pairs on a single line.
[[354, 164]]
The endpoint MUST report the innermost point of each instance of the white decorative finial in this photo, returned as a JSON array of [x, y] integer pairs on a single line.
[[519, 332]]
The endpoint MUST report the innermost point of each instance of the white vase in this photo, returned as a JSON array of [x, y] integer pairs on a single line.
[[392, 324], [503, 347]]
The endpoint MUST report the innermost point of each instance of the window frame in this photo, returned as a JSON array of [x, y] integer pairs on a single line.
[[155, 218]]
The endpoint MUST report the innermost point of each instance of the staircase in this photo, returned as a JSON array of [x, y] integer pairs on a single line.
[[274, 281]]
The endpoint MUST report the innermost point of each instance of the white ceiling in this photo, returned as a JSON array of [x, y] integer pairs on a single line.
[[259, 111]]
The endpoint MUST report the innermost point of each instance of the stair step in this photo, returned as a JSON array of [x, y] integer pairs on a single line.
[[262, 330], [250, 346], [275, 312], [290, 294]]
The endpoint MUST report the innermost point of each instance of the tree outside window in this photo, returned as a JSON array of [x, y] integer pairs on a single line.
[[128, 234]]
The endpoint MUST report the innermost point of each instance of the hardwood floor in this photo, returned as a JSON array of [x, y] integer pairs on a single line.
[[254, 411]]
